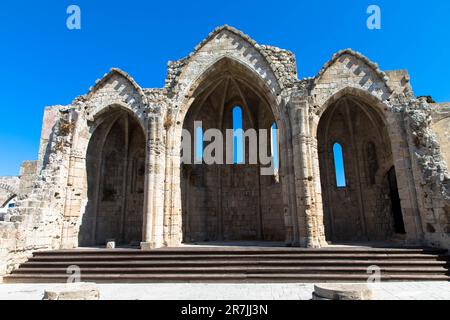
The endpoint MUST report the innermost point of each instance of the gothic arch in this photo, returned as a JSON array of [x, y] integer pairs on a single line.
[[241, 72], [114, 178], [116, 88], [381, 107], [239, 47], [386, 132], [220, 70]]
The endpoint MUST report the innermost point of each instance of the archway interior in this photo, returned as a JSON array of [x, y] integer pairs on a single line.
[[359, 186], [115, 172], [230, 202]]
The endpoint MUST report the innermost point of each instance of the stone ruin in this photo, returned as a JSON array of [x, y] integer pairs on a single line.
[[109, 165]]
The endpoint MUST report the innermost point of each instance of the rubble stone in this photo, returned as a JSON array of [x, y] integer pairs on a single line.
[[73, 291], [342, 292]]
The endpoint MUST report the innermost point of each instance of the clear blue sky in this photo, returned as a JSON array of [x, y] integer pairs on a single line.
[[43, 63]]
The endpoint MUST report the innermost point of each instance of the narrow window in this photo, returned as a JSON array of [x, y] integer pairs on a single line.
[[198, 144], [339, 166], [238, 145], [274, 147]]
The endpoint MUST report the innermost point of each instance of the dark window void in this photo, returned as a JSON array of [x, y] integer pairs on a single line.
[[399, 226], [339, 166], [238, 141]]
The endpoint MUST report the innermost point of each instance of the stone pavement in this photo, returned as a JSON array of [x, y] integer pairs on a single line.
[[191, 291]]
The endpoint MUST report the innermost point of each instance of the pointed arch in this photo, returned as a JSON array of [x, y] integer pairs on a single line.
[[224, 43], [235, 69], [115, 179], [116, 88], [372, 101]]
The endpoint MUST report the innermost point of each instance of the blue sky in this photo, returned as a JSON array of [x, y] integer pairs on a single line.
[[43, 63]]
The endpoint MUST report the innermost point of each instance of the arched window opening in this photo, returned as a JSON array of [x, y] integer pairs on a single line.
[[238, 140], [274, 146], [339, 167], [198, 143]]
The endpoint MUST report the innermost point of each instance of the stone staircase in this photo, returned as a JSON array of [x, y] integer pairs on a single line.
[[227, 264]]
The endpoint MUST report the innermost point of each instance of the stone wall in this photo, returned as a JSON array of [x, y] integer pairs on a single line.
[[432, 178], [28, 175], [441, 127]]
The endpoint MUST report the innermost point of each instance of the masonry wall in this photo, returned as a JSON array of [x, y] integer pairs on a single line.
[[441, 127]]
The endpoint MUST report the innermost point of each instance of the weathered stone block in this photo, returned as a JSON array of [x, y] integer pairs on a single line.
[[146, 246], [342, 292], [75, 291]]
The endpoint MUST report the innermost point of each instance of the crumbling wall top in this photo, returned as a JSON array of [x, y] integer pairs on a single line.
[[358, 56], [118, 72]]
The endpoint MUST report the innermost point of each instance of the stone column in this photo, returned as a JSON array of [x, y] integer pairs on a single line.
[[302, 223], [316, 191], [153, 208], [307, 177], [171, 183], [288, 183]]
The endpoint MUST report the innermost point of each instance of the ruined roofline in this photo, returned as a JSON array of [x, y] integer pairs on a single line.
[[239, 33], [284, 61], [176, 67]]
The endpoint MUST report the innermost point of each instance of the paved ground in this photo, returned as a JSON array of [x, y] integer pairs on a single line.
[[384, 291]]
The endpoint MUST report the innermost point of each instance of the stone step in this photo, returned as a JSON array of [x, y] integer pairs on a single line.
[[243, 269], [220, 277], [305, 256], [235, 265], [222, 263], [245, 251]]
